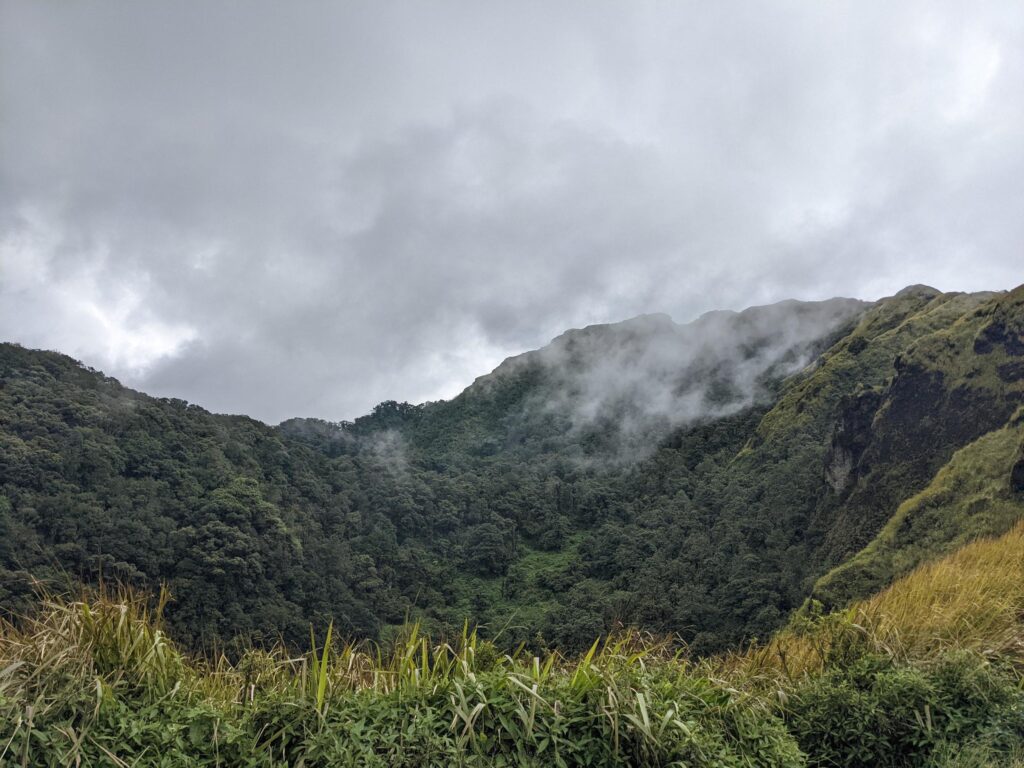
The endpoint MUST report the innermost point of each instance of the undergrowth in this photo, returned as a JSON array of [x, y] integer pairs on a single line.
[[925, 673]]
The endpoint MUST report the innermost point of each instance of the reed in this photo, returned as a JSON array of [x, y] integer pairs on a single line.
[[94, 680]]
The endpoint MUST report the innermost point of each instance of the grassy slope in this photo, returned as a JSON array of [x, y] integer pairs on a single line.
[[977, 364], [837, 671], [971, 599], [970, 497], [863, 359]]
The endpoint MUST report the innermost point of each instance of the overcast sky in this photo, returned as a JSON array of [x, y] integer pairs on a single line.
[[303, 209]]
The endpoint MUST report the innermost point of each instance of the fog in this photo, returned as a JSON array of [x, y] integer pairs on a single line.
[[644, 377]]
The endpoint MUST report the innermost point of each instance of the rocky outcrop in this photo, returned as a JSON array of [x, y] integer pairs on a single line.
[[1017, 476], [923, 417], [998, 333], [850, 438]]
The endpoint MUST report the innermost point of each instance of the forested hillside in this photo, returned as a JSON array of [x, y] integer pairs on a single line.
[[696, 479]]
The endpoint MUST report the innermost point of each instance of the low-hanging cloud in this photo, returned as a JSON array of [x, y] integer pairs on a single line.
[[628, 382], [306, 210]]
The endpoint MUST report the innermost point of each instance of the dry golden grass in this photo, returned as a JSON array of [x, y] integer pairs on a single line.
[[972, 599]]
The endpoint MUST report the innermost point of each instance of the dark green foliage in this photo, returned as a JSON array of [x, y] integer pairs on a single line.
[[498, 506], [255, 535], [873, 712]]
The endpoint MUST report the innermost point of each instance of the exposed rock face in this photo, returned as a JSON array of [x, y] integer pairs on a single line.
[[1017, 477], [997, 333], [921, 419], [1011, 372], [839, 467], [850, 438], [1017, 473]]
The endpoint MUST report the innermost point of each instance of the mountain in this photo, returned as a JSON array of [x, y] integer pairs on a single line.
[[613, 391], [703, 479]]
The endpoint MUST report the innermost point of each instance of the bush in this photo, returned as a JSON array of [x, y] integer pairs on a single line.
[[875, 712]]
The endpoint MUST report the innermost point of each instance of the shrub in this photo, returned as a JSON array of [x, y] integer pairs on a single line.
[[875, 712]]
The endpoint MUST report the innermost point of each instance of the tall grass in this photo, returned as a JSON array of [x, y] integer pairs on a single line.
[[920, 674], [972, 599], [95, 681]]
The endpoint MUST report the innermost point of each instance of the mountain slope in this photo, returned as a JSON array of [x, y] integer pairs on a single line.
[[255, 535], [611, 392], [695, 479], [943, 394], [974, 495]]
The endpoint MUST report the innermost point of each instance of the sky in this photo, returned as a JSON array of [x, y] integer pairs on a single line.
[[302, 209]]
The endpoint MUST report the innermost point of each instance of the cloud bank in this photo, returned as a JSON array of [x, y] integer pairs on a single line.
[[304, 210]]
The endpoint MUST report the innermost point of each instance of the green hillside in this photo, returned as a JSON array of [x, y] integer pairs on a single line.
[[972, 496], [690, 479]]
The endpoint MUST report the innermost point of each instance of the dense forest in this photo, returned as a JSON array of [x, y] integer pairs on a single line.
[[703, 480]]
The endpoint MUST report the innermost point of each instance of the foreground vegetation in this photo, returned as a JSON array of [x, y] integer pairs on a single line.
[[924, 673]]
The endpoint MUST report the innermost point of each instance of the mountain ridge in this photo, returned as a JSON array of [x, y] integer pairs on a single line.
[[694, 482]]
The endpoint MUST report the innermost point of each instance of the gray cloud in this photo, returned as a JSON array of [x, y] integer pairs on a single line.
[[288, 210]]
